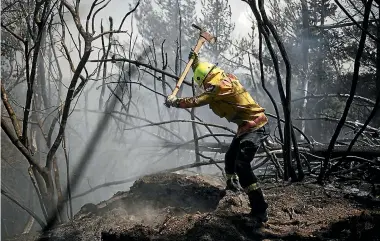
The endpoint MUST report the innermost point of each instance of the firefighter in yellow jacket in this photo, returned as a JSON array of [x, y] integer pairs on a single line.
[[228, 99]]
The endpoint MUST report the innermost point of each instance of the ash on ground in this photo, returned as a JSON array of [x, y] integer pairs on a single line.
[[181, 207]]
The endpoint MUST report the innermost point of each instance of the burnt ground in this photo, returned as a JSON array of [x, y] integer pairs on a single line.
[[180, 207]]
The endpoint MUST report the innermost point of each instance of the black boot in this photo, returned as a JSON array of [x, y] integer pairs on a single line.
[[258, 205]]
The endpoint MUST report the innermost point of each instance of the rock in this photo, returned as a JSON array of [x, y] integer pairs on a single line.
[[87, 210]]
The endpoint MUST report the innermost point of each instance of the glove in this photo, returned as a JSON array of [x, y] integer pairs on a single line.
[[233, 183], [171, 100], [193, 55]]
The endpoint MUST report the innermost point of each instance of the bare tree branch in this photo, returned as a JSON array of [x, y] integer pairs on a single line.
[[20, 146], [126, 15], [262, 77], [11, 112], [76, 18], [365, 21], [31, 213], [18, 37], [263, 24], [87, 154], [138, 64], [133, 82], [131, 179], [373, 112], [366, 100], [341, 25], [93, 5], [352, 91], [349, 124], [190, 121], [108, 32], [136, 117]]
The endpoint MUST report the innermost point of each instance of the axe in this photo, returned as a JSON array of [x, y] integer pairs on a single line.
[[203, 37]]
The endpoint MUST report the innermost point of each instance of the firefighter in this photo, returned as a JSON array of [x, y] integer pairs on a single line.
[[228, 99]]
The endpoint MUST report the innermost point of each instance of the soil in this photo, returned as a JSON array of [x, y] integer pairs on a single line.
[[180, 207]]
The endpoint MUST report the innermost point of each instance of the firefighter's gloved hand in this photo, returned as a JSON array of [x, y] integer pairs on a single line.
[[171, 100], [193, 55], [233, 183]]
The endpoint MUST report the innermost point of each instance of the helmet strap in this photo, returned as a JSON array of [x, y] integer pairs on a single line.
[[213, 67]]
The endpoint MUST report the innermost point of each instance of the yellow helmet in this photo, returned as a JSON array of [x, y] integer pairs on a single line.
[[203, 70]]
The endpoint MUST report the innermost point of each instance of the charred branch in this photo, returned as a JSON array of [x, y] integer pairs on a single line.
[[262, 77], [16, 141], [30, 212], [342, 25], [138, 64], [363, 99], [131, 179], [11, 112], [184, 121], [352, 91], [88, 152], [319, 150], [365, 22]]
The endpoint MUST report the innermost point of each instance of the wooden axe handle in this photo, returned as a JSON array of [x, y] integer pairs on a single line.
[[201, 41]]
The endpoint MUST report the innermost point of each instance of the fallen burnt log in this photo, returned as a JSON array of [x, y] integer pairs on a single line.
[[362, 151], [317, 150]]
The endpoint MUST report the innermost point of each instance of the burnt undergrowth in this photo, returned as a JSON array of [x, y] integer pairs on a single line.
[[178, 207]]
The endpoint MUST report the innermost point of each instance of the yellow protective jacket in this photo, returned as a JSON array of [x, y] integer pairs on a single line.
[[228, 99]]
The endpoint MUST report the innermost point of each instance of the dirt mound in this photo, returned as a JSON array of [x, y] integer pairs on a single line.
[[180, 207]]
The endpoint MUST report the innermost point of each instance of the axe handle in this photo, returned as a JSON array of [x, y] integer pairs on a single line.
[[201, 41]]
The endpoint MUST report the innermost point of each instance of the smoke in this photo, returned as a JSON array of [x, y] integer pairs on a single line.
[[121, 154], [129, 153]]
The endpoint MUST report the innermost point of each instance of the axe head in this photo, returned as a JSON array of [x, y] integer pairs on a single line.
[[206, 35]]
